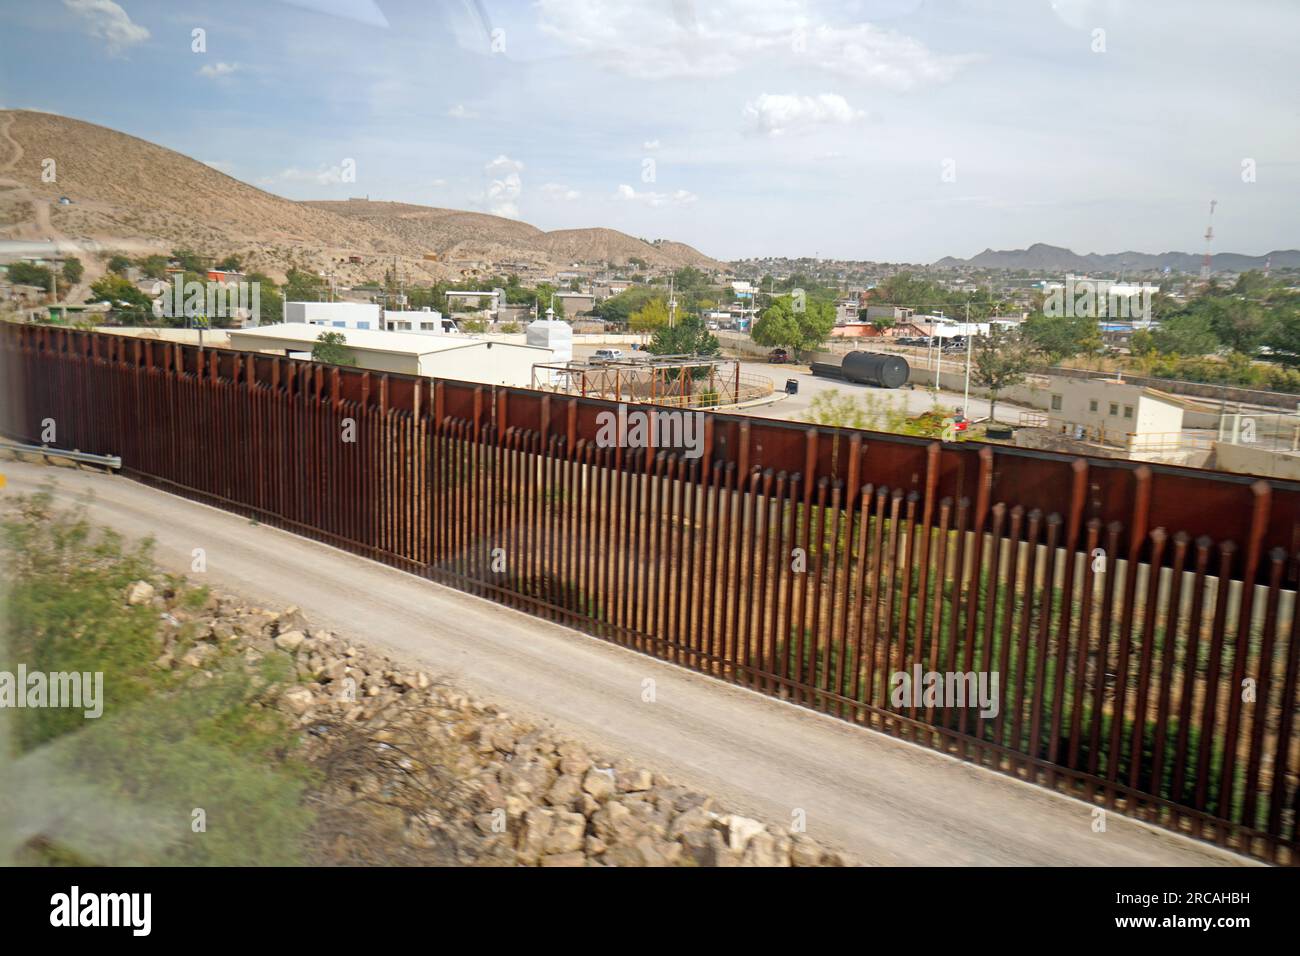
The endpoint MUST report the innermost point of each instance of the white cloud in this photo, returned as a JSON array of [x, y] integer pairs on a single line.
[[504, 190], [504, 163], [884, 57], [220, 165], [107, 21], [650, 145], [324, 176], [645, 41], [438, 183], [775, 113], [218, 69], [560, 193], [459, 112], [681, 197]]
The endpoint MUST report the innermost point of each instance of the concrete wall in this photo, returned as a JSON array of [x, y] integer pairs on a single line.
[[1251, 460], [492, 363], [1200, 390]]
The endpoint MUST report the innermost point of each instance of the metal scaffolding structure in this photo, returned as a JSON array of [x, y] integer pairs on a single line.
[[684, 381]]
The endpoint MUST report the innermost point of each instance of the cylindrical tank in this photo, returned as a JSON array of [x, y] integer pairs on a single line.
[[876, 368]]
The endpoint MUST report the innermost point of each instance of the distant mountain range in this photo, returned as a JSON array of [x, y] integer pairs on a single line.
[[1041, 257]]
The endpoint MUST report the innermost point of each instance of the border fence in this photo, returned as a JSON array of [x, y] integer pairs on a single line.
[[1141, 619]]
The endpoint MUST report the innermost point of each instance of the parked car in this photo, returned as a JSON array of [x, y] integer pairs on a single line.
[[607, 355], [778, 356]]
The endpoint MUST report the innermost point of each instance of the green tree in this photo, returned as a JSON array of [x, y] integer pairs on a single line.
[[120, 293], [999, 361], [302, 286], [28, 273], [331, 348], [230, 264], [1059, 337], [1187, 333], [154, 267], [73, 270], [687, 337], [649, 318], [190, 261], [119, 264], [782, 325], [270, 301]]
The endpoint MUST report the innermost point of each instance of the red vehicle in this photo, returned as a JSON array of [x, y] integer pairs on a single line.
[[778, 356]]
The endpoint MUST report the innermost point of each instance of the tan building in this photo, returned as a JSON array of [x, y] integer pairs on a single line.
[[1112, 412], [459, 357]]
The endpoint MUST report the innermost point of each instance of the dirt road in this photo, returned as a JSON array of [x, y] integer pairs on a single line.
[[884, 801]]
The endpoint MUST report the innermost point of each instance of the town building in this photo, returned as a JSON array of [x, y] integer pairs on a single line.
[[458, 357]]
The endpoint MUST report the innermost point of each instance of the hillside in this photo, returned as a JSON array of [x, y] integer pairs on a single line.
[[471, 236], [1042, 257], [132, 196], [135, 197]]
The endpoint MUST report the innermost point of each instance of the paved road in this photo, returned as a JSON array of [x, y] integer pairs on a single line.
[[884, 801]]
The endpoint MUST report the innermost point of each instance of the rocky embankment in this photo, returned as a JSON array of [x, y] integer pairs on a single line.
[[411, 770]]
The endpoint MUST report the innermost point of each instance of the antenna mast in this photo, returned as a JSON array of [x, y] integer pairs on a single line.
[[1209, 237]]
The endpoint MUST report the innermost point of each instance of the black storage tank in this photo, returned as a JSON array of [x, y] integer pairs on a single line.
[[876, 368]]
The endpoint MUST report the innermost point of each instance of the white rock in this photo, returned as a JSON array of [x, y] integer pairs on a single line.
[[290, 640], [141, 592]]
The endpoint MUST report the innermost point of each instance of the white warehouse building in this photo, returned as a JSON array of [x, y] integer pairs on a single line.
[[334, 315], [458, 357], [364, 316]]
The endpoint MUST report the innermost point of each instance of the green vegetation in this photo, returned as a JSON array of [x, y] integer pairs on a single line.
[[785, 325], [689, 336], [73, 270], [28, 273], [121, 294], [650, 317], [331, 348], [833, 407], [999, 362], [123, 789]]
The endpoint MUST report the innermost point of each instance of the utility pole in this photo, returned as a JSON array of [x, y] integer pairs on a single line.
[[965, 408]]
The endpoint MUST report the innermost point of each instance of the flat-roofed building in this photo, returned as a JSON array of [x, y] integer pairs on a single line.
[[458, 357]]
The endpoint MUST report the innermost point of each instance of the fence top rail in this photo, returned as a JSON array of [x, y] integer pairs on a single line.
[[1251, 511]]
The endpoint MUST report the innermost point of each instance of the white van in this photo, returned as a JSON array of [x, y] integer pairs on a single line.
[[607, 355]]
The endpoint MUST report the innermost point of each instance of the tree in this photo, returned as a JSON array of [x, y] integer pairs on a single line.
[[999, 361], [302, 286], [73, 270], [230, 264], [28, 273], [1187, 333], [154, 267], [783, 326], [190, 261], [649, 318], [331, 348], [687, 337], [270, 301], [120, 293], [119, 264], [1060, 338]]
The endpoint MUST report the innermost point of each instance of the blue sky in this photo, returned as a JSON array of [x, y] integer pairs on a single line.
[[899, 130]]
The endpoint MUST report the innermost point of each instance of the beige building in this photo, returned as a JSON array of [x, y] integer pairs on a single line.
[[1111, 411], [458, 357]]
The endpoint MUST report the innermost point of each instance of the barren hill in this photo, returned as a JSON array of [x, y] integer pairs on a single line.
[[471, 236], [131, 196]]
